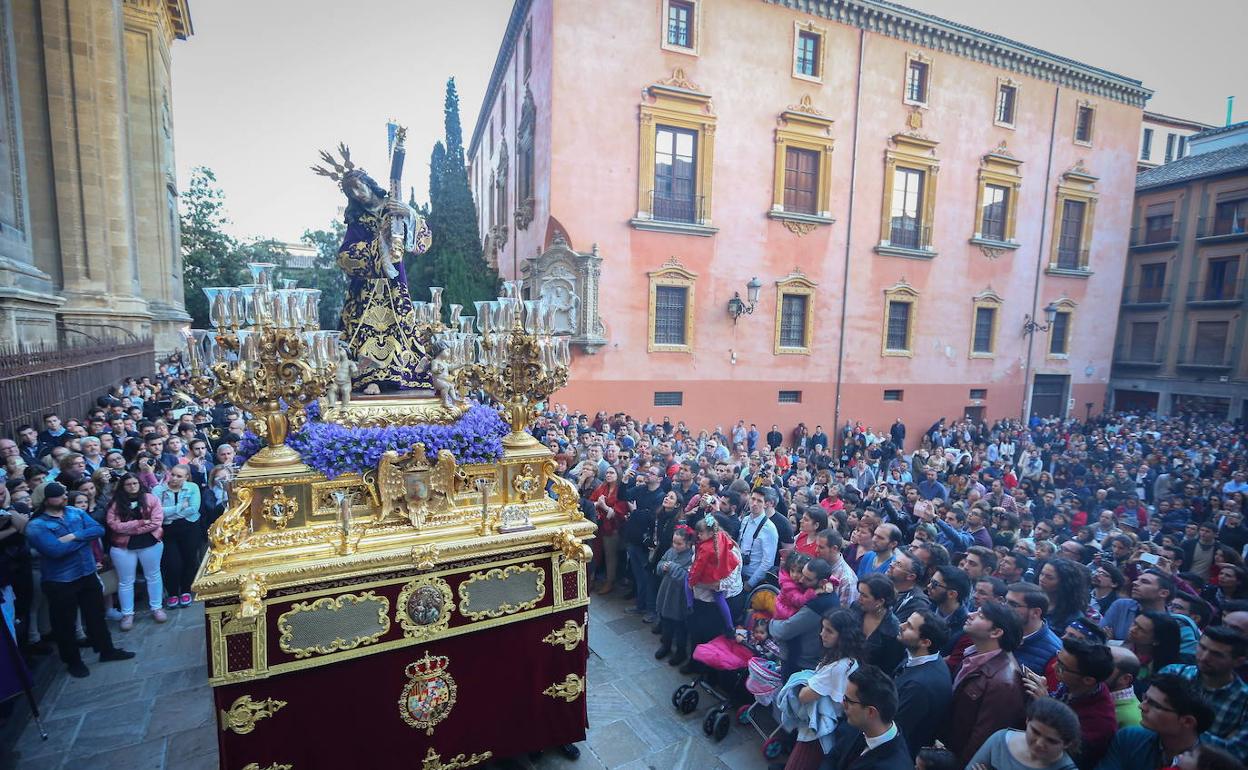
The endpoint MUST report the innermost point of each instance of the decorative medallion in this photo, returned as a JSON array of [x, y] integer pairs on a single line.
[[806, 105], [424, 608], [429, 694], [526, 483], [433, 760], [797, 227], [568, 637], [242, 716], [569, 689], [279, 509], [914, 121]]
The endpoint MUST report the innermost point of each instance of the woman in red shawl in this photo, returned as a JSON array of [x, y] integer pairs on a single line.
[[612, 511]]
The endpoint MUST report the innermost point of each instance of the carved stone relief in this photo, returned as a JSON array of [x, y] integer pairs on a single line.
[[568, 279]]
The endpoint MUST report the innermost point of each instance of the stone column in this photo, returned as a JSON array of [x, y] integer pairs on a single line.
[[85, 83], [149, 33], [27, 302]]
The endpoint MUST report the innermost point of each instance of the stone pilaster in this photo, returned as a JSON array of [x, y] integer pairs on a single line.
[[27, 303], [149, 33], [85, 82]]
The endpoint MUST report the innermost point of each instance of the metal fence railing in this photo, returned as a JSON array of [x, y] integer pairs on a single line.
[[65, 379]]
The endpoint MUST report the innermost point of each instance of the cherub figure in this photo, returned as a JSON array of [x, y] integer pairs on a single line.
[[442, 372], [340, 390]]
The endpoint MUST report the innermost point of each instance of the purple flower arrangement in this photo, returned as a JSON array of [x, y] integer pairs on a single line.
[[476, 437]]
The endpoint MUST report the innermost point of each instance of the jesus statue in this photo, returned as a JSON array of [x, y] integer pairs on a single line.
[[378, 322]]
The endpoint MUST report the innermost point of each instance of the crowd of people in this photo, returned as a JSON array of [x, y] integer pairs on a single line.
[[1057, 594], [98, 508]]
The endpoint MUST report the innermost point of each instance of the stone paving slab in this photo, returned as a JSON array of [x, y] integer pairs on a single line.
[[155, 712]]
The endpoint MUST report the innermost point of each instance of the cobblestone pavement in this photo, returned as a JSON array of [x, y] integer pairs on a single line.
[[155, 712]]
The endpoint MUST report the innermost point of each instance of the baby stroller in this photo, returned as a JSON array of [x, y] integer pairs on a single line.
[[764, 683], [726, 680]]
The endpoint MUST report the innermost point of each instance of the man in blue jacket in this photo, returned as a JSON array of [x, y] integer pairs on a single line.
[[62, 535]]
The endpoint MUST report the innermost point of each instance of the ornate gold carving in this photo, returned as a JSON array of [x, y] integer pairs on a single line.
[[526, 483], [279, 509], [797, 227], [571, 546], [228, 531], [424, 608], [568, 637], [413, 486], [429, 694], [465, 587], [914, 121], [425, 556], [433, 760], [243, 714], [566, 495], [408, 411], [251, 591], [678, 80], [569, 689], [332, 604]]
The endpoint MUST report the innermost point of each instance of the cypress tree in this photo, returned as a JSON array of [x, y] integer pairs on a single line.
[[455, 260]]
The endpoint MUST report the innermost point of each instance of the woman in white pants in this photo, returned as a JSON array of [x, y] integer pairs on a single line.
[[134, 529]]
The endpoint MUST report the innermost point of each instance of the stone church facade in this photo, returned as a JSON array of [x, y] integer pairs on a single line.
[[89, 243]]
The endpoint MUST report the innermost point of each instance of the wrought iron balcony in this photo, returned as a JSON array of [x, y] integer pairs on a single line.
[[1215, 293], [665, 207], [1144, 236], [909, 235], [1222, 228], [1146, 295], [1129, 356]]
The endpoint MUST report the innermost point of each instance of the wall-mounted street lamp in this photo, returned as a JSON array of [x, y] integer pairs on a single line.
[[1031, 327], [737, 307]]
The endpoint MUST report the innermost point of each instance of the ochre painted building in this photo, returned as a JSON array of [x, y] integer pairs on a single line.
[[906, 190]]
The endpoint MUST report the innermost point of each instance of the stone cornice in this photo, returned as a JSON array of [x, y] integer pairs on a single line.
[[514, 26], [918, 28], [171, 17]]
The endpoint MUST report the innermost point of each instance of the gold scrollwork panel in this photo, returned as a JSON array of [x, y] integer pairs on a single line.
[[499, 592], [333, 624], [244, 713]]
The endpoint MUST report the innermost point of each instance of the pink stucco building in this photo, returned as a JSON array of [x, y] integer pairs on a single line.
[[906, 190]]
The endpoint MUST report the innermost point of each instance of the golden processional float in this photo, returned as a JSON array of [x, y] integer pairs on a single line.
[[422, 606]]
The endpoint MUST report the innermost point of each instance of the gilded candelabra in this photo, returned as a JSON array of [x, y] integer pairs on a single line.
[[518, 360], [266, 355]]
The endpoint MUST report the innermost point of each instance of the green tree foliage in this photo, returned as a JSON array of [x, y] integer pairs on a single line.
[[209, 256], [455, 260]]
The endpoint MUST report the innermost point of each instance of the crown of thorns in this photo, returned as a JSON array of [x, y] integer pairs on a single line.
[[340, 170]]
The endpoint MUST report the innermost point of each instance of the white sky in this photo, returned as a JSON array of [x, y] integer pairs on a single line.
[[264, 84]]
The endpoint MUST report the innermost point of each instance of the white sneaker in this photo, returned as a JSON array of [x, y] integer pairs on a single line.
[[112, 613]]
